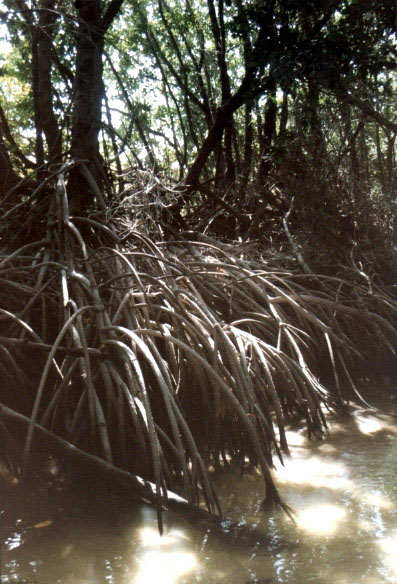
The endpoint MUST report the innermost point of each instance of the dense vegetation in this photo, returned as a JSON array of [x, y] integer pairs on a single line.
[[198, 206]]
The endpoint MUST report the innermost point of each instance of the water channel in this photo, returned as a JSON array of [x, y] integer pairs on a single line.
[[343, 490]]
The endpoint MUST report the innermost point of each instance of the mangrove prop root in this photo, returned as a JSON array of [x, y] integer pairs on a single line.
[[168, 358], [140, 488]]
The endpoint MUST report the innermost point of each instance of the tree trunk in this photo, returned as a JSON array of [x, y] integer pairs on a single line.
[[318, 149], [269, 132], [218, 31], [42, 42], [350, 137], [8, 177], [214, 136], [88, 93], [249, 88], [87, 102], [282, 132], [248, 141], [391, 166]]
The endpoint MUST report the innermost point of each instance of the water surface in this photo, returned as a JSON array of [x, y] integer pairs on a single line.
[[343, 490]]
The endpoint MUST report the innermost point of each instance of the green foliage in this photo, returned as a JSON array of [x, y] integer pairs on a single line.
[[170, 65]]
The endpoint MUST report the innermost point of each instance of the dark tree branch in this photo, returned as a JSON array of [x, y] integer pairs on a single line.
[[110, 14], [6, 131], [248, 89], [8, 176], [341, 91]]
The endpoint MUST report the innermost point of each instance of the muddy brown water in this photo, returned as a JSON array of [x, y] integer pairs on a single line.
[[343, 489]]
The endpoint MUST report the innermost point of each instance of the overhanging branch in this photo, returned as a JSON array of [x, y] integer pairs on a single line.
[[365, 107]]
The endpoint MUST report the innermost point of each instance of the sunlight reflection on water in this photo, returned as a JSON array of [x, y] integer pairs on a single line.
[[315, 472], [321, 519], [13, 541], [163, 566], [388, 545], [162, 558]]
